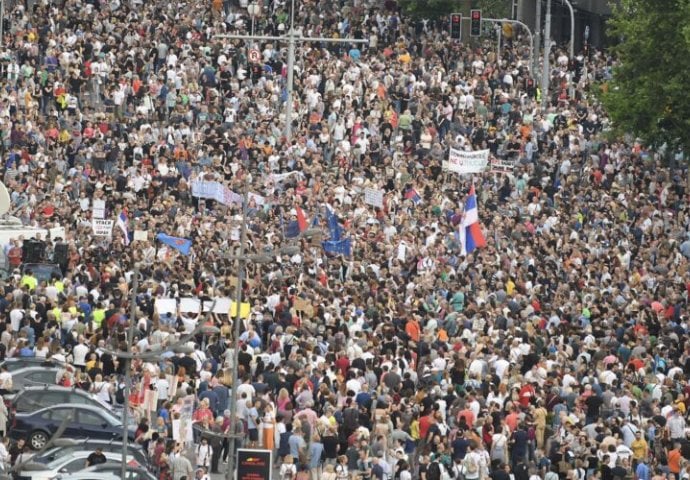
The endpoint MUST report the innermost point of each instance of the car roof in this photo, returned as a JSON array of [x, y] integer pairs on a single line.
[[82, 475], [54, 388], [32, 360], [89, 408], [36, 367]]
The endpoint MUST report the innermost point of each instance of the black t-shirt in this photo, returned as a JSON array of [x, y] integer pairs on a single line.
[[330, 446], [96, 458]]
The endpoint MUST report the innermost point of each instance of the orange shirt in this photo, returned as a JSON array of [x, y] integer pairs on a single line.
[[412, 329], [674, 461]]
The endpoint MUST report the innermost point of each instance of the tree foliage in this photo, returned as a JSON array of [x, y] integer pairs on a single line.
[[433, 9], [648, 93]]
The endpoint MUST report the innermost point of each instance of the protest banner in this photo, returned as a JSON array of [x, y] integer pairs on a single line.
[[374, 197], [303, 306], [98, 209], [463, 162], [166, 305], [502, 166], [102, 228]]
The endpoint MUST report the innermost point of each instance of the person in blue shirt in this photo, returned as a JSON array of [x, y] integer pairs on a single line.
[[642, 471]]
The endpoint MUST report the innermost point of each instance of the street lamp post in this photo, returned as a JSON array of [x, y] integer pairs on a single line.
[[128, 366], [547, 53], [571, 49]]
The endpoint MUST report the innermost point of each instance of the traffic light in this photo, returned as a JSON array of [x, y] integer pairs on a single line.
[[456, 26], [475, 23]]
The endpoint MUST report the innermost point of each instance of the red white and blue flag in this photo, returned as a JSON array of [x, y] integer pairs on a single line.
[[123, 224], [471, 236]]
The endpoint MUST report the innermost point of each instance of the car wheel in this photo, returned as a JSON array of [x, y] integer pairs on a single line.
[[38, 440]]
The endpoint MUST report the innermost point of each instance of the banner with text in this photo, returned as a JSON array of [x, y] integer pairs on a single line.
[[215, 191], [102, 228], [461, 162]]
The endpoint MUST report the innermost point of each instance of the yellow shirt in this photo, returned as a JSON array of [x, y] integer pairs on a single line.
[[639, 448], [98, 316], [60, 286], [510, 287], [29, 281], [414, 429]]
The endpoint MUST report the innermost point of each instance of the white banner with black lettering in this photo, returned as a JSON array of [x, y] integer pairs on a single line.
[[460, 161]]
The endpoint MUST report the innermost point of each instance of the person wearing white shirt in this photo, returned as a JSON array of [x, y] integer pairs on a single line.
[[79, 353]]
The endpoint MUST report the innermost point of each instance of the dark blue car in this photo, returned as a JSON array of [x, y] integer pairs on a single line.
[[83, 421]]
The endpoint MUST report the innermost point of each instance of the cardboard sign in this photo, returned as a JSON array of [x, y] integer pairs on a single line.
[[141, 236], [102, 228], [303, 306], [166, 305], [98, 209], [374, 197]]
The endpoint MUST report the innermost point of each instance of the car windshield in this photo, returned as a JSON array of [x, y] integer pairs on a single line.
[[110, 418], [59, 461]]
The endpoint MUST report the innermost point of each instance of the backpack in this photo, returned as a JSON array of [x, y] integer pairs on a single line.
[[120, 395], [433, 471], [471, 466]]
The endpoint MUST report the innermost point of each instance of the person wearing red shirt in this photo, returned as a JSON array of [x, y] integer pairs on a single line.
[[527, 392], [425, 423], [343, 364]]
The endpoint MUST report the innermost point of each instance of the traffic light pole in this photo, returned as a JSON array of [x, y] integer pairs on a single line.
[[292, 39], [501, 21]]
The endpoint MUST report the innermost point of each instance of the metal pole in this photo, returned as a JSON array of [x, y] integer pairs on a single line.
[[572, 29], [547, 49], [128, 365], [290, 74], [498, 46], [537, 39], [230, 472], [2, 22], [529, 33]]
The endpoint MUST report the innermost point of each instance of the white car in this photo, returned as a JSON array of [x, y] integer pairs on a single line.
[[64, 465]]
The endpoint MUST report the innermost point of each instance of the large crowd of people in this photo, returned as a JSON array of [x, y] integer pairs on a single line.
[[557, 350]]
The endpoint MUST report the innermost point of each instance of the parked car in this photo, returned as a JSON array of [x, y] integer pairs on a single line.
[[17, 363], [108, 471], [83, 421], [66, 446], [34, 398], [36, 376], [66, 465], [43, 272]]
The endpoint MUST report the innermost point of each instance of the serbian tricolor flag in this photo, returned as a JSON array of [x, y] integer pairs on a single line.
[[301, 219], [471, 235]]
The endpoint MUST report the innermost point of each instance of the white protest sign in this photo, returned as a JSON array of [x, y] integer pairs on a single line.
[[222, 305], [374, 197], [166, 305], [502, 166], [102, 228], [98, 209], [461, 162], [258, 199], [190, 305], [141, 235]]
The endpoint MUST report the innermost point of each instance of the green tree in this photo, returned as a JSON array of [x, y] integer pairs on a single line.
[[433, 9], [647, 95]]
